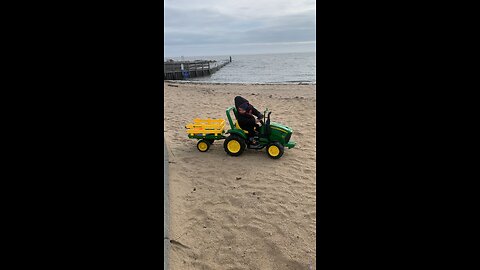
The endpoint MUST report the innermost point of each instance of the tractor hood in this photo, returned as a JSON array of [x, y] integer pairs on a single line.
[[281, 127], [282, 133]]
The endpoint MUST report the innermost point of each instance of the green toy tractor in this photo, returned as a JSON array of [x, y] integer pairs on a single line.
[[275, 137]]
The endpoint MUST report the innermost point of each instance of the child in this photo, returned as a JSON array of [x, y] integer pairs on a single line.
[[245, 117]]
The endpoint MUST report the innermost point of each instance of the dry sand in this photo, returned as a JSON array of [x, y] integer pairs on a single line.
[[246, 212]]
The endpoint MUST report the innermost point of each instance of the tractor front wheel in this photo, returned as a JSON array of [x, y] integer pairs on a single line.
[[275, 150], [234, 145]]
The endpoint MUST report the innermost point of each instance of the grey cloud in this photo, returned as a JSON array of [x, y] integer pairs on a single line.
[[208, 26]]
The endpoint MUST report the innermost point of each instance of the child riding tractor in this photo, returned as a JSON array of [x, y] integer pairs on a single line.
[[275, 137]]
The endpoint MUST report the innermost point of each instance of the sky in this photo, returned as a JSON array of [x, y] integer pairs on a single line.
[[232, 27]]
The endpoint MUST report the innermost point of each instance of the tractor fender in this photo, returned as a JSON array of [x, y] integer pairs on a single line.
[[237, 132]]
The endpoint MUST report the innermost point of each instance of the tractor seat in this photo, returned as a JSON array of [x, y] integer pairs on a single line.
[[238, 126]]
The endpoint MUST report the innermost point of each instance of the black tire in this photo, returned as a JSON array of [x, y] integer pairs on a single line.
[[210, 141], [238, 139], [201, 145], [276, 152]]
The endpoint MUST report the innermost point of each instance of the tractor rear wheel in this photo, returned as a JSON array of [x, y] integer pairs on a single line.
[[234, 145], [275, 150]]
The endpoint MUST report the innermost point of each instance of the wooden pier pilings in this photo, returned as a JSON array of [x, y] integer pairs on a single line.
[[180, 70]]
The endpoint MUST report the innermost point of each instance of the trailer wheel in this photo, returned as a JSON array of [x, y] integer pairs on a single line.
[[234, 145], [203, 145], [210, 141]]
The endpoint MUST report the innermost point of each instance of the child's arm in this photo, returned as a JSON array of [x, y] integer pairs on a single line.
[[257, 113]]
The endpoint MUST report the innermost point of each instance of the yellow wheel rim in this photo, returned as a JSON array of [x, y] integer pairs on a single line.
[[202, 146], [273, 151], [233, 146]]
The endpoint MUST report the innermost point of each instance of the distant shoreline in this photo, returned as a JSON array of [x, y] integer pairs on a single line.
[[234, 55], [239, 83]]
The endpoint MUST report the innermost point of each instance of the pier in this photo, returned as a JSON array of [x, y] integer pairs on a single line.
[[180, 70]]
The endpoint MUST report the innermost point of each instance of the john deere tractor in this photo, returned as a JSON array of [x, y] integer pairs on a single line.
[[275, 137]]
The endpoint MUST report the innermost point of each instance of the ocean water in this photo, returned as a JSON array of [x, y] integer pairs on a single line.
[[262, 68]]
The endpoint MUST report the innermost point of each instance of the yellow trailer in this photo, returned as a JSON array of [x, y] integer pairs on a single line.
[[206, 131]]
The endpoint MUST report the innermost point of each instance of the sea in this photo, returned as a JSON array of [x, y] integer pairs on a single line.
[[284, 68]]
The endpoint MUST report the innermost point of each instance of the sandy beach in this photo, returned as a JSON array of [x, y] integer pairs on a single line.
[[246, 212]]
